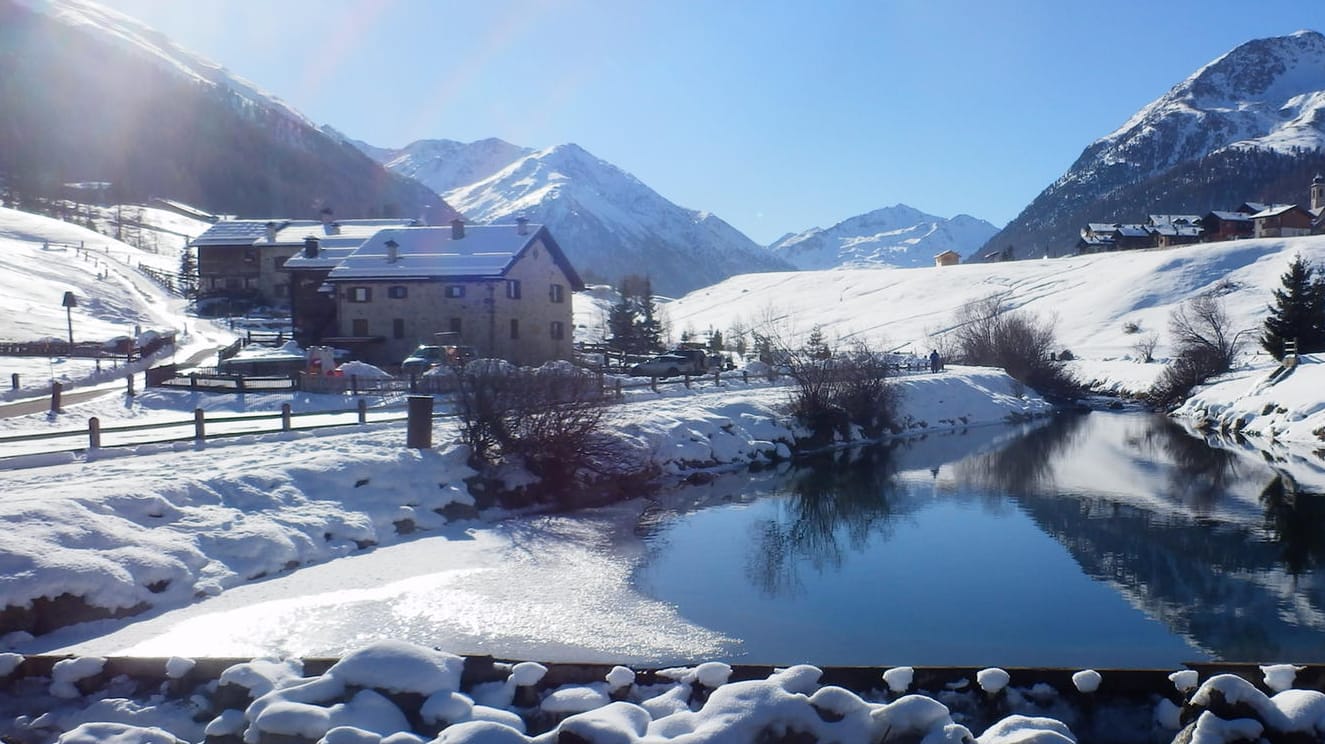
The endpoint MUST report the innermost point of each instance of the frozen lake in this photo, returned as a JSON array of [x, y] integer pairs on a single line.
[[1100, 540]]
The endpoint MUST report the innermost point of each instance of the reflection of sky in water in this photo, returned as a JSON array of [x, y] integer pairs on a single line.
[[1106, 540]]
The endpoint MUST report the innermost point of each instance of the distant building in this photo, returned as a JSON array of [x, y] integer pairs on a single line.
[[1318, 204], [1220, 225], [1283, 221], [503, 289], [242, 260], [948, 258]]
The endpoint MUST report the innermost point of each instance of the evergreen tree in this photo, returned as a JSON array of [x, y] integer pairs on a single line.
[[632, 322], [715, 341], [1298, 313]]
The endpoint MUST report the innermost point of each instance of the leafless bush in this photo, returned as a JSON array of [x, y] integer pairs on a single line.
[[550, 419], [837, 388], [1130, 327], [1205, 345], [1145, 347], [988, 334]]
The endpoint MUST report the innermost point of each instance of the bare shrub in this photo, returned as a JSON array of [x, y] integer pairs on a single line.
[[1130, 327], [835, 389], [550, 419], [1205, 345], [1145, 347], [988, 334]]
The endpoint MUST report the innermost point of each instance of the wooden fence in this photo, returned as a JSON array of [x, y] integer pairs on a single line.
[[86, 349]]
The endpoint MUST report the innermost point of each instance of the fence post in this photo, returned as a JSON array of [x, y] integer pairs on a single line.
[[745, 377], [687, 381], [239, 383], [363, 411], [618, 387], [13, 381], [94, 433], [199, 429], [285, 417], [56, 388], [129, 379], [717, 377], [354, 384], [653, 384], [418, 426]]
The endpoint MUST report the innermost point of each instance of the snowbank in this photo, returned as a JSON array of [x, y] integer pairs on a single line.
[[396, 692], [1264, 402]]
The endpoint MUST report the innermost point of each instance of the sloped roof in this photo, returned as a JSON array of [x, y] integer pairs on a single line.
[[331, 234], [1230, 216], [485, 252], [1275, 211], [236, 232]]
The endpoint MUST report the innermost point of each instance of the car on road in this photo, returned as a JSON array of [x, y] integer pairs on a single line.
[[426, 357], [670, 365]]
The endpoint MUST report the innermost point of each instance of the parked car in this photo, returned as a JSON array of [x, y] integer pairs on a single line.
[[671, 364], [426, 357]]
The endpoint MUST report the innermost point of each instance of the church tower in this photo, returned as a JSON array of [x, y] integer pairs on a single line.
[[1317, 192]]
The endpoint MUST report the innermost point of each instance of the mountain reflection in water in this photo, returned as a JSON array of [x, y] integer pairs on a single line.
[[1102, 539]]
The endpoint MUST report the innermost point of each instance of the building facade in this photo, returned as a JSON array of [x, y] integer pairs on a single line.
[[503, 289]]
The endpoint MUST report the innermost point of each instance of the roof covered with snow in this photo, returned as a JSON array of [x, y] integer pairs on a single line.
[[484, 252], [236, 232]]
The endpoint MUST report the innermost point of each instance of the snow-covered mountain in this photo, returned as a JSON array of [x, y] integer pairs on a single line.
[[1261, 106], [91, 94], [444, 165], [897, 236], [610, 224]]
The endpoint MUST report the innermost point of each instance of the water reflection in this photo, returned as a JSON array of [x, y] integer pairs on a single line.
[[1216, 549], [833, 507]]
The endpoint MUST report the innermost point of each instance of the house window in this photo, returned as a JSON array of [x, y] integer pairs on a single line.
[[513, 289], [250, 255], [515, 328], [455, 291], [397, 292], [361, 294], [557, 293], [398, 328], [359, 327], [558, 330], [455, 325], [234, 282]]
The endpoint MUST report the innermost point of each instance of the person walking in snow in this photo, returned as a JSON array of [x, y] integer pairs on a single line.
[[934, 360]]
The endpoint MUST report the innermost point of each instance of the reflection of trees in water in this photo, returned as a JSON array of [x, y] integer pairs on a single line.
[[1025, 463], [1201, 473], [1297, 521], [831, 508]]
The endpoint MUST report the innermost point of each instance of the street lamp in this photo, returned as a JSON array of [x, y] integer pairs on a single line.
[[70, 302]]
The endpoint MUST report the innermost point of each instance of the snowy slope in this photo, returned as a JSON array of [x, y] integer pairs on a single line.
[[1090, 296], [1266, 94], [443, 165], [610, 224], [897, 236], [41, 264]]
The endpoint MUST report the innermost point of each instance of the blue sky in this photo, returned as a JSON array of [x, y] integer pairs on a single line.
[[777, 116]]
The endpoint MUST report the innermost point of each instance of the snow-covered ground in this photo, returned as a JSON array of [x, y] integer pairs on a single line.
[[158, 526]]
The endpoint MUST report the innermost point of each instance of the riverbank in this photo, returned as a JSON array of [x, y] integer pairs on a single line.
[[161, 525]]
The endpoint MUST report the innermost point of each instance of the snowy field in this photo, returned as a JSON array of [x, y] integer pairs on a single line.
[[157, 527]]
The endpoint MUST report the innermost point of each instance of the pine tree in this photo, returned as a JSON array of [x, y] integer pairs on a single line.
[[1298, 313]]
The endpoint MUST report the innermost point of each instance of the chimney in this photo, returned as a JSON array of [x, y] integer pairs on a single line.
[[310, 247], [457, 229], [271, 232], [392, 251], [521, 225]]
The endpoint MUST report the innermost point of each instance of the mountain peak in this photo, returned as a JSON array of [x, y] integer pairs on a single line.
[[897, 236]]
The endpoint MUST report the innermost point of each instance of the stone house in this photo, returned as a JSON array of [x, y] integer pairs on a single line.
[[503, 289]]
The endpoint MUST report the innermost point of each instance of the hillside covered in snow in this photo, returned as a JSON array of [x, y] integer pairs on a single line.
[[1248, 126]]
